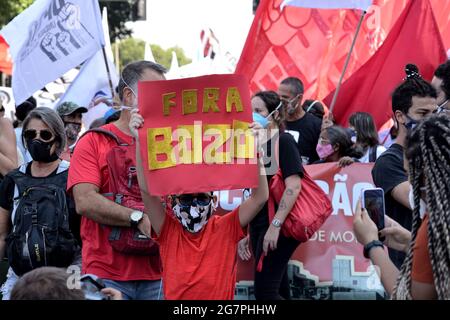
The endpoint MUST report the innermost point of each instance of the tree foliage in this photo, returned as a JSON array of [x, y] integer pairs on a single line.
[[131, 49], [11, 8], [119, 12]]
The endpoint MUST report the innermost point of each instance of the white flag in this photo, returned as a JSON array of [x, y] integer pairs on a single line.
[[329, 4], [148, 53], [48, 39], [90, 85], [108, 48]]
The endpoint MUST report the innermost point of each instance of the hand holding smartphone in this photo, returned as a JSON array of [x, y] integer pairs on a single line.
[[373, 202]]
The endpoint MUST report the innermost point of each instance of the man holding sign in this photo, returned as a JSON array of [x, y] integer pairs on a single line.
[[104, 209], [198, 249]]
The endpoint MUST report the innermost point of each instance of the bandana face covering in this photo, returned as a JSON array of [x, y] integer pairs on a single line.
[[193, 218]]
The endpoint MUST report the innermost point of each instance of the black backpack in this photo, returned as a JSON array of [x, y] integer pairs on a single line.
[[41, 235]]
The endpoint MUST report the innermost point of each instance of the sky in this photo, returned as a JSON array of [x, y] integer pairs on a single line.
[[179, 22]]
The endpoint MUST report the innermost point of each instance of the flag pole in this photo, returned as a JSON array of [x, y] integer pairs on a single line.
[[347, 60], [108, 72]]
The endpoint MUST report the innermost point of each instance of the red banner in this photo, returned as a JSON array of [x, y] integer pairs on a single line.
[[195, 136], [331, 262]]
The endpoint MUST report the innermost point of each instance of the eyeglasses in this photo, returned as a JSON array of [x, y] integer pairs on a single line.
[[31, 134], [202, 199]]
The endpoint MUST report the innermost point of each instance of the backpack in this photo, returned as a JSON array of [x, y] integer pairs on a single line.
[[308, 214], [41, 235], [124, 190]]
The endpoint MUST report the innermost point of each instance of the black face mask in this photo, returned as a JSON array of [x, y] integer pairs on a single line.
[[40, 151]]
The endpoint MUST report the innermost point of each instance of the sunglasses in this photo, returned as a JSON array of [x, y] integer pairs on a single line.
[[31, 134], [188, 200]]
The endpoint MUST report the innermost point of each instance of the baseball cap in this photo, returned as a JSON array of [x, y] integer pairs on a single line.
[[68, 107]]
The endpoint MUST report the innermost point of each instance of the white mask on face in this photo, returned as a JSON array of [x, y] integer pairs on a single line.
[[193, 218], [135, 104], [423, 204]]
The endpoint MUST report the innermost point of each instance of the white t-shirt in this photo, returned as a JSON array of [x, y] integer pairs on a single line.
[[365, 157]]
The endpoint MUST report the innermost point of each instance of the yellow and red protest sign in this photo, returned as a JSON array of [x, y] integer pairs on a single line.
[[196, 135]]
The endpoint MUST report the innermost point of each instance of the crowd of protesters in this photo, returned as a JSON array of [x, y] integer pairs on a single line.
[[189, 252]]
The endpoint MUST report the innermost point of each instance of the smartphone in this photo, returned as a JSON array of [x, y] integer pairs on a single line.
[[92, 286], [373, 202]]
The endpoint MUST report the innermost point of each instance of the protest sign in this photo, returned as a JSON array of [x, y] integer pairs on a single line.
[[196, 135]]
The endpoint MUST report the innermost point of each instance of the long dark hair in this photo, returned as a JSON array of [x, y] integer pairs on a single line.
[[339, 136], [428, 154], [366, 133]]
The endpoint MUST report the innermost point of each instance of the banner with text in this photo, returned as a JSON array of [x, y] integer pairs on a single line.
[[331, 264], [196, 134]]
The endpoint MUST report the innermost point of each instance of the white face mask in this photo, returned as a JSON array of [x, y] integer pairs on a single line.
[[135, 104], [193, 218], [423, 204]]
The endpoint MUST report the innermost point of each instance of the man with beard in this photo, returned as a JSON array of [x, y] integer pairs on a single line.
[[303, 126], [71, 115]]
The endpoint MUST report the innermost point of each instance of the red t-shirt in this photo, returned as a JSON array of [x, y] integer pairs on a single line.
[[88, 165], [200, 266], [422, 270]]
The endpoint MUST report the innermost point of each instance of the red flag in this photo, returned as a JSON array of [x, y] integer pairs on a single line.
[[5, 57], [311, 44], [441, 11], [415, 38]]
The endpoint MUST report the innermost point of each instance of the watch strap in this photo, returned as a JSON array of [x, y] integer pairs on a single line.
[[370, 246]]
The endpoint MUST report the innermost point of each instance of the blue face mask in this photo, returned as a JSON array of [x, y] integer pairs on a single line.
[[411, 124], [260, 119]]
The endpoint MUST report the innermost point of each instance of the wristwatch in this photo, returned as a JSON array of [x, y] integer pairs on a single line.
[[370, 246], [135, 217], [276, 223]]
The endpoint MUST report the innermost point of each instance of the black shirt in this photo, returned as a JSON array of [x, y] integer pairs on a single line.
[[290, 164], [7, 201], [387, 173], [306, 132]]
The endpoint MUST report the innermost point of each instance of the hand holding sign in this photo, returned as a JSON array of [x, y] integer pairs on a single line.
[[136, 122]]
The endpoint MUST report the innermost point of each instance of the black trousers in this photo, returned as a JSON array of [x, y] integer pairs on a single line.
[[272, 283]]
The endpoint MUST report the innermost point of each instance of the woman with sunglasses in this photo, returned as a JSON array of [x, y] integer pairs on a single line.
[[198, 248], [44, 137], [281, 152]]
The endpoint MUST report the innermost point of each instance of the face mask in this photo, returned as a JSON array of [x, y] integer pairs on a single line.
[[291, 108], [411, 124], [260, 119], [441, 108], [135, 106], [193, 218], [40, 151], [72, 130], [324, 151], [423, 205]]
